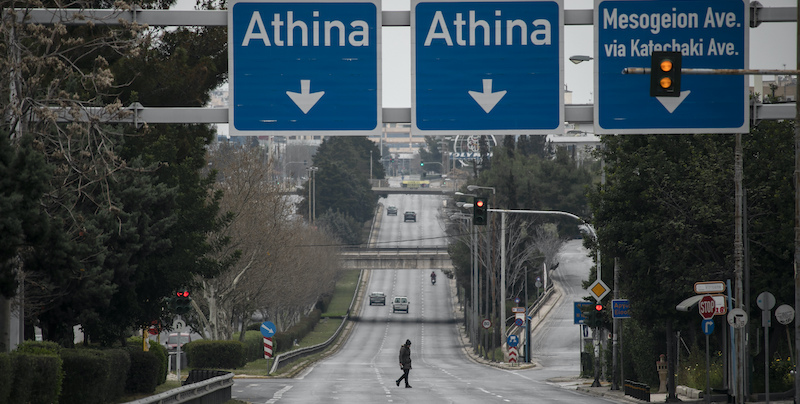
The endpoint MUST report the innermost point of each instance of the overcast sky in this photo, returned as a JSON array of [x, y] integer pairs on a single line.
[[772, 46]]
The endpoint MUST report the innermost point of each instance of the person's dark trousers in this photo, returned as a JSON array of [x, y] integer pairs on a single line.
[[404, 376]]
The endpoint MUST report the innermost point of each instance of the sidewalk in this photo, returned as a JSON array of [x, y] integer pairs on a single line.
[[572, 383], [584, 386]]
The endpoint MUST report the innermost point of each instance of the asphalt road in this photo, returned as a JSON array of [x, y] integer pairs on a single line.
[[365, 368]]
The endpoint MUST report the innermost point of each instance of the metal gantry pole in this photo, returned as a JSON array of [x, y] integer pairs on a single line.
[[502, 315], [475, 280], [797, 220]]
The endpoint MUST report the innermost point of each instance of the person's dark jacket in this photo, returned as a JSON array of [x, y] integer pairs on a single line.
[[405, 357]]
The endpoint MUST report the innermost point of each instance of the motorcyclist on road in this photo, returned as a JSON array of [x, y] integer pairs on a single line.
[[433, 277]]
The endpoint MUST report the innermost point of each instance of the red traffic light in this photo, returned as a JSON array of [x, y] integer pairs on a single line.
[[479, 203], [598, 307]]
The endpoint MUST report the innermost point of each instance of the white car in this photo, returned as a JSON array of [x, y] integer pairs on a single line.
[[400, 303]]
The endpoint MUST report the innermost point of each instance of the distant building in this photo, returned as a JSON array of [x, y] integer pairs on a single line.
[[781, 89]]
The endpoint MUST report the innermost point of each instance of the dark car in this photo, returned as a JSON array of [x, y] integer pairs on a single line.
[[410, 216], [391, 210]]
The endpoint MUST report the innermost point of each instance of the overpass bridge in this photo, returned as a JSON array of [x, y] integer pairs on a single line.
[[397, 258]]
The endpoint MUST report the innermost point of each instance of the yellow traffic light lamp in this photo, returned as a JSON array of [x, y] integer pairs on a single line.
[[665, 74]]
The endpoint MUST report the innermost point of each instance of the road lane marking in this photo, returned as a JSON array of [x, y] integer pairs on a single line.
[[278, 394]]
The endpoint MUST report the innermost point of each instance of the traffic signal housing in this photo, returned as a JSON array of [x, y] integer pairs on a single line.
[[480, 212], [665, 74], [183, 303], [594, 315]]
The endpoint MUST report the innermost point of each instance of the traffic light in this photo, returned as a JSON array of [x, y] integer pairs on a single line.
[[594, 317], [480, 212], [182, 302], [665, 74], [422, 164]]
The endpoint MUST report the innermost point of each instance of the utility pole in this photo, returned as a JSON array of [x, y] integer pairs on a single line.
[[615, 338]]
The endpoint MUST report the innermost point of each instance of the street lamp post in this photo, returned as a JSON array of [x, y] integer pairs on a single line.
[[312, 194], [503, 247], [474, 274], [501, 309]]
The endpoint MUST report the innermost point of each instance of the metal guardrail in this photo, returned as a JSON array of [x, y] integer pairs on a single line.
[[534, 308], [287, 357], [216, 390]]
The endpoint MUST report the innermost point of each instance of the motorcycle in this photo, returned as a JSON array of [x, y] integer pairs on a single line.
[[433, 280]]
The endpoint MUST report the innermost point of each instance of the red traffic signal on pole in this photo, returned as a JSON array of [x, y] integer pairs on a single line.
[[480, 212], [598, 307], [183, 303]]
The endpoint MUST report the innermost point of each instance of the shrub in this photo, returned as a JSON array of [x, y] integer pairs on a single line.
[[160, 352], [47, 378], [253, 345], [120, 363], [285, 340], [144, 372], [215, 354], [23, 378], [85, 370], [6, 377], [39, 347]]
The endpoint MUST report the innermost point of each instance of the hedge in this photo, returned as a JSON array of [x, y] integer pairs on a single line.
[[34, 378], [284, 341], [160, 352], [215, 354], [144, 372], [87, 370], [6, 377], [253, 345]]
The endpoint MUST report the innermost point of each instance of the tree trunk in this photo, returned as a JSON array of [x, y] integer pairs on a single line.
[[5, 324], [671, 358]]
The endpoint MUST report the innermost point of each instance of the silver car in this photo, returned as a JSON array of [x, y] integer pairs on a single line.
[[377, 298]]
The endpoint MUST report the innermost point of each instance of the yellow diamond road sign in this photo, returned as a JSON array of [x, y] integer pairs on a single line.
[[598, 290]]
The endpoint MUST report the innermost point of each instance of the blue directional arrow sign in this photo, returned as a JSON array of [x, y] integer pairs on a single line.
[[707, 325], [492, 67], [710, 34], [304, 66], [268, 329]]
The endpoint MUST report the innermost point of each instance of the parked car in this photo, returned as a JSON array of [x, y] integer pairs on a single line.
[[410, 216], [400, 303], [377, 298], [391, 211], [172, 340]]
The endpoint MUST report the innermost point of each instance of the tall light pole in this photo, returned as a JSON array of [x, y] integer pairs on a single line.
[[503, 245], [312, 194], [488, 272], [474, 275]]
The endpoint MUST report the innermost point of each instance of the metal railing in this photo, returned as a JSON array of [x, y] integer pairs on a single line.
[[288, 357], [216, 390]]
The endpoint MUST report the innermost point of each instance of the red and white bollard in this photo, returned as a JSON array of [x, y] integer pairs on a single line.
[[267, 348]]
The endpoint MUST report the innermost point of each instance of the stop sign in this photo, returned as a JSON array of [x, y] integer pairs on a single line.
[[706, 307]]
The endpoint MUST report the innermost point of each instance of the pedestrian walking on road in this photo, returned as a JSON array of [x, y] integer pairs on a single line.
[[405, 363]]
